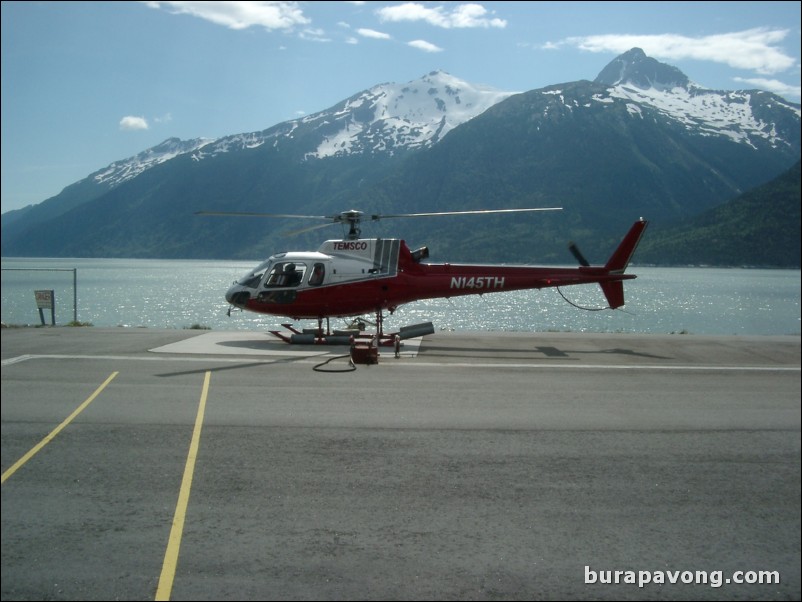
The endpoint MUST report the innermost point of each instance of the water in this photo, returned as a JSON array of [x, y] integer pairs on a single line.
[[189, 294]]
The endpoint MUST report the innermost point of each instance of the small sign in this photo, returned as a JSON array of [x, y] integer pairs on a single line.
[[44, 299]]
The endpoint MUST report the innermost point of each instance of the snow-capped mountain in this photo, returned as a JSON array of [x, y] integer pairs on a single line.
[[738, 115], [387, 118], [640, 140], [391, 117], [126, 169]]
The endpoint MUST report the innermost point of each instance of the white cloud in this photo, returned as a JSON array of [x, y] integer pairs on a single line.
[[372, 33], [424, 45], [314, 35], [462, 16], [752, 49], [129, 122], [773, 85], [240, 15]]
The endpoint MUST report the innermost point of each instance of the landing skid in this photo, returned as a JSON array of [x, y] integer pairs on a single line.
[[319, 336], [316, 336]]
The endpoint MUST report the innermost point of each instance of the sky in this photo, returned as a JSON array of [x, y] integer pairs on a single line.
[[85, 84]]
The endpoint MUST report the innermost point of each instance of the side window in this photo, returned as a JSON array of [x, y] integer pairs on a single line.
[[285, 274], [318, 273]]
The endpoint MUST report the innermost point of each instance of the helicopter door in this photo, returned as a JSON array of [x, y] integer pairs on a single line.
[[287, 274], [281, 282]]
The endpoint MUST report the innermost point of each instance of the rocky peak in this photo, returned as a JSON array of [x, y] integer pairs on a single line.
[[635, 68]]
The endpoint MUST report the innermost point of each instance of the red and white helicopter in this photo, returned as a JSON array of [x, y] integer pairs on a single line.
[[354, 276]]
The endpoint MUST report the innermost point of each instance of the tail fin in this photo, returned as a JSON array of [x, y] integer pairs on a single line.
[[614, 292], [619, 260], [614, 289]]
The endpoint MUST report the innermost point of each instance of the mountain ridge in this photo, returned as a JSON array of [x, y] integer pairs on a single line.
[[639, 139], [705, 239]]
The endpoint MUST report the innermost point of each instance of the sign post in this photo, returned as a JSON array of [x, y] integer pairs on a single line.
[[46, 300]]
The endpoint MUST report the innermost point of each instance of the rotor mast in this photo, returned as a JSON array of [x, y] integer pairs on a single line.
[[353, 218]]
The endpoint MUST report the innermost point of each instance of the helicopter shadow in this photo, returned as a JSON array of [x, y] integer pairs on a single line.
[[235, 366], [260, 351], [539, 352]]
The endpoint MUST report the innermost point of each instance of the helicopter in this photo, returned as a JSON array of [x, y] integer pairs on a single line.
[[355, 276]]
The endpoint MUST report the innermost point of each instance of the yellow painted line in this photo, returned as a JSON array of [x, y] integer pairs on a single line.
[[56, 430], [173, 545]]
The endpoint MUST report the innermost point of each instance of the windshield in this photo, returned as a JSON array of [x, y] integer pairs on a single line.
[[254, 277]]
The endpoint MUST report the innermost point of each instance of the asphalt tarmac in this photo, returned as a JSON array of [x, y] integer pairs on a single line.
[[147, 464]]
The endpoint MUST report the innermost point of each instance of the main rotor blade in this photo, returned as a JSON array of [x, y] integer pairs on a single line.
[[472, 212], [247, 214], [309, 229], [355, 215]]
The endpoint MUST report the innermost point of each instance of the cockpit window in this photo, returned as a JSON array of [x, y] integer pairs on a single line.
[[318, 273], [285, 274]]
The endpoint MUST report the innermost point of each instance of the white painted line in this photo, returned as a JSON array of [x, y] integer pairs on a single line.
[[416, 364]]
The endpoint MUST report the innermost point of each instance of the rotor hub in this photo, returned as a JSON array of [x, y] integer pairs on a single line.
[[353, 219]]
